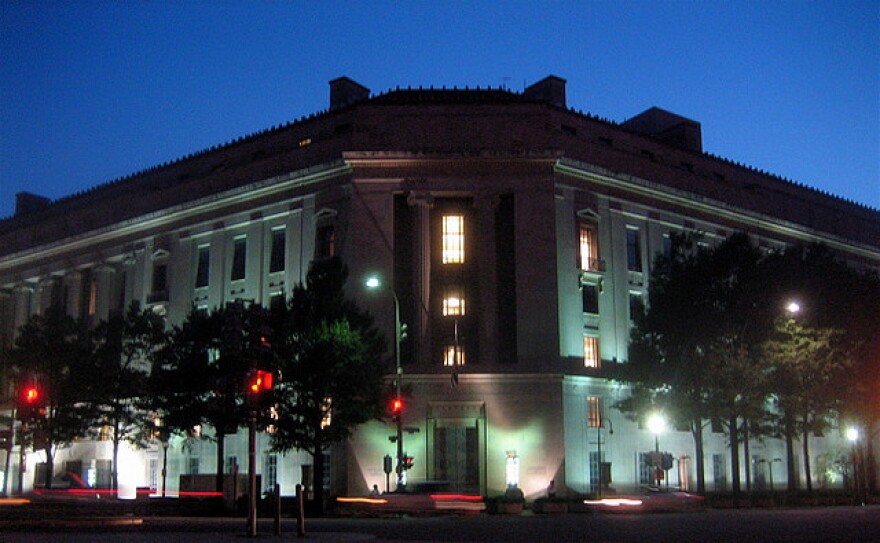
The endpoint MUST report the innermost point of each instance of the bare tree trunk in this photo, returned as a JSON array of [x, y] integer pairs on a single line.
[[806, 450], [318, 475], [789, 453], [221, 452], [747, 455], [50, 464], [697, 431], [734, 455]]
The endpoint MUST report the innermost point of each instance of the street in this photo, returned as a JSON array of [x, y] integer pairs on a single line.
[[826, 524]]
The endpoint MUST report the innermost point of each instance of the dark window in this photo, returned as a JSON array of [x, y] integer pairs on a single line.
[[160, 277], [667, 245], [239, 258], [325, 245], [276, 259], [633, 250], [636, 305], [203, 266], [590, 294]]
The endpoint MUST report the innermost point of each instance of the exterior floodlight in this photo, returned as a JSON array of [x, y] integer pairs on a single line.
[[852, 434]]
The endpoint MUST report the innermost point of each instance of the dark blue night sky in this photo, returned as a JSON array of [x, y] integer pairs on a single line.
[[92, 91]]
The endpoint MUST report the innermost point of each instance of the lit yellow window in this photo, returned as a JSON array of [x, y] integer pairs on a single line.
[[327, 419], [588, 248], [453, 305], [591, 352], [594, 411], [453, 239], [93, 297], [453, 355]]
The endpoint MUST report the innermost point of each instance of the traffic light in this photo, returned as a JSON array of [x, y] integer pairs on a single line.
[[257, 388], [30, 402], [260, 381], [396, 408], [407, 462]]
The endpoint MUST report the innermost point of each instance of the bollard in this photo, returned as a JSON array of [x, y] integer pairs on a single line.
[[277, 508], [300, 512]]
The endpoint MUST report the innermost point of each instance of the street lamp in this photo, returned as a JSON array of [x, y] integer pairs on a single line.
[[599, 447], [657, 425], [373, 282], [792, 307]]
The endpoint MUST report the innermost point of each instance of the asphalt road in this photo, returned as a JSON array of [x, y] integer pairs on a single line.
[[832, 524]]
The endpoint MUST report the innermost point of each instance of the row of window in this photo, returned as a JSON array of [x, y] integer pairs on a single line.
[[325, 247]]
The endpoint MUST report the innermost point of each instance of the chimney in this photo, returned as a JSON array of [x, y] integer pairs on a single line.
[[551, 89], [667, 128], [26, 202], [344, 91]]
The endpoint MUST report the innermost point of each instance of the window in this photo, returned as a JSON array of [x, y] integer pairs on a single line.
[[271, 471], [591, 352], [719, 472], [203, 266], [590, 295], [667, 245], [633, 250], [93, 297], [453, 355], [327, 409], [646, 472], [239, 258], [160, 276], [276, 300], [636, 305], [588, 248], [276, 256], [231, 464], [594, 412], [325, 246], [453, 239], [453, 303]]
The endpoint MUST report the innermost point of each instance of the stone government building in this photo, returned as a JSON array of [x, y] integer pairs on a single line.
[[518, 234]]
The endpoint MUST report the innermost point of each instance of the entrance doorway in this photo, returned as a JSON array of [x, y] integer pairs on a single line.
[[456, 446]]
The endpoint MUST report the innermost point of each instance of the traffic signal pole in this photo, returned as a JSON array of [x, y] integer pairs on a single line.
[[252, 474], [397, 379]]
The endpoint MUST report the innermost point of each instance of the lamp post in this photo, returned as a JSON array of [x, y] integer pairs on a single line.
[[852, 435], [599, 448], [374, 282], [657, 425]]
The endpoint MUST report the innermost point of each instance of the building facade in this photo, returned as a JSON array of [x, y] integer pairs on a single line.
[[516, 233]]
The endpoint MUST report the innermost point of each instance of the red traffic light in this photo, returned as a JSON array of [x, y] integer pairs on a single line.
[[31, 395], [260, 380], [396, 406]]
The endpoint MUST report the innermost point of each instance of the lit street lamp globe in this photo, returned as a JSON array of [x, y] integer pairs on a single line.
[[656, 424]]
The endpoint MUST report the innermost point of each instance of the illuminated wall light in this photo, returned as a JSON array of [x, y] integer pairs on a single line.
[[512, 469]]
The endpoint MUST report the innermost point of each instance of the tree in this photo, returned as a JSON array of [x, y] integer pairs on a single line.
[[805, 369], [52, 351], [330, 362], [812, 355], [690, 349], [118, 376], [198, 378]]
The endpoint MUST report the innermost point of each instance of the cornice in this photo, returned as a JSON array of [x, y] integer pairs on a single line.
[[687, 200], [209, 204]]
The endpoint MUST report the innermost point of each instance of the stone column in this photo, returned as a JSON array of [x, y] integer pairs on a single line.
[[423, 202]]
